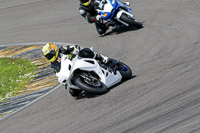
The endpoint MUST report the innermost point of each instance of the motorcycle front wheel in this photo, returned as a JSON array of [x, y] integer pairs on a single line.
[[131, 21], [124, 70], [90, 85]]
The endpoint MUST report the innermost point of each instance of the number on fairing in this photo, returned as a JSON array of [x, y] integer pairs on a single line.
[[101, 4]]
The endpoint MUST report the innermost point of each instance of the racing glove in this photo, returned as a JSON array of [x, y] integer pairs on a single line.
[[76, 49], [98, 18], [75, 52], [104, 58]]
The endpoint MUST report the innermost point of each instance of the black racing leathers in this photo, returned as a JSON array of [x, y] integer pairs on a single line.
[[89, 13]]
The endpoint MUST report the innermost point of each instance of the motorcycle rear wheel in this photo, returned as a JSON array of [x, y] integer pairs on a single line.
[[96, 88], [131, 21]]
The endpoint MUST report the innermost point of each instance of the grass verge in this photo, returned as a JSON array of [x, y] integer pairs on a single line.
[[15, 73]]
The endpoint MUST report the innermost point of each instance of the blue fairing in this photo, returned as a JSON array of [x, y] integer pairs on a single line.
[[107, 16], [116, 4], [110, 15]]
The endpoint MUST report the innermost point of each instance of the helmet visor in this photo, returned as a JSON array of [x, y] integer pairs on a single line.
[[50, 55], [86, 3]]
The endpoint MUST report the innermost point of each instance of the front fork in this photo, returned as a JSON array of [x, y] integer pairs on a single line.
[[123, 9], [119, 14]]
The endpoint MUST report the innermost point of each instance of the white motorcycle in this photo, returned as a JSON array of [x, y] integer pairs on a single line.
[[90, 75]]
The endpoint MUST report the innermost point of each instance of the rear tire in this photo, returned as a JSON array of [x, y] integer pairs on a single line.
[[81, 83], [131, 21]]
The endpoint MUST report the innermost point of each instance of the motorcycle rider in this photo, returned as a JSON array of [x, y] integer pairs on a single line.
[[54, 53], [88, 8]]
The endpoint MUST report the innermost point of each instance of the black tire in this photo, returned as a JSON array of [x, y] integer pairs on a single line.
[[79, 81], [131, 21], [125, 71]]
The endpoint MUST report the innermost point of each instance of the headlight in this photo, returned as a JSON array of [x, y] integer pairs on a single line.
[[113, 1]]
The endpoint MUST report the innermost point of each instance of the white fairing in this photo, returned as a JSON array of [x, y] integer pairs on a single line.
[[64, 72], [86, 64], [104, 7]]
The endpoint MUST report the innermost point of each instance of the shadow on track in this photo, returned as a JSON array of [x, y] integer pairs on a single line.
[[121, 29]]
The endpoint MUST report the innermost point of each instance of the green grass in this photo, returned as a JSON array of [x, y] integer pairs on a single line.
[[15, 73]]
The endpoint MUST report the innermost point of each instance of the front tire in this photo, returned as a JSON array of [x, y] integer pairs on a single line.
[[124, 70], [97, 88], [131, 21]]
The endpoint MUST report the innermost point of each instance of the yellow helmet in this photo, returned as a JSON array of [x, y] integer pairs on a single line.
[[50, 51], [85, 2]]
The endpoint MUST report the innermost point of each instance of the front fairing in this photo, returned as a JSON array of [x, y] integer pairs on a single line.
[[85, 64], [122, 6], [107, 8]]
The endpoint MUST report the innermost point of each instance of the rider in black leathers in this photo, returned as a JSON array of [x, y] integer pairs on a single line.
[[87, 10], [54, 53]]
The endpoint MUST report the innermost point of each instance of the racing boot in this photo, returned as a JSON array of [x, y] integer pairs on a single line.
[[101, 28], [102, 58], [76, 93]]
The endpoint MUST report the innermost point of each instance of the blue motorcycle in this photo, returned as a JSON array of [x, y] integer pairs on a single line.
[[117, 12]]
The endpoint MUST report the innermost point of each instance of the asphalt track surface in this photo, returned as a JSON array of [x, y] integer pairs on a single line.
[[164, 97]]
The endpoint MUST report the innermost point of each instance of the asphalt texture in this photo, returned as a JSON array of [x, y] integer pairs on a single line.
[[164, 97]]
